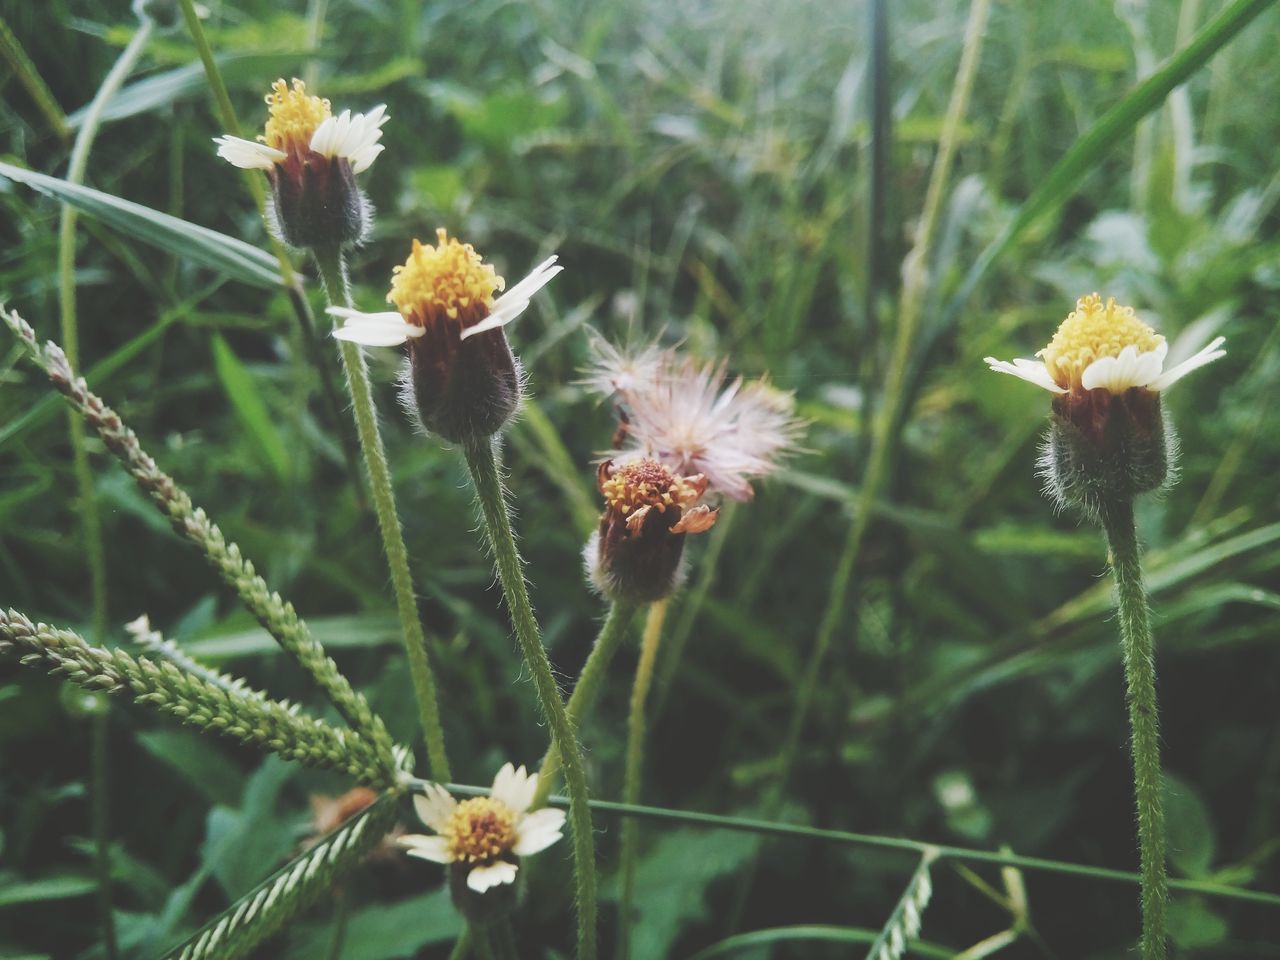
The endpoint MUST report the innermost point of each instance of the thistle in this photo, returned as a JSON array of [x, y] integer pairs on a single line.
[[311, 158], [1108, 442], [462, 381]]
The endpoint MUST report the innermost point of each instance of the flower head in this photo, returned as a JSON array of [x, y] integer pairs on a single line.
[[463, 380], [483, 837], [635, 553], [684, 415], [311, 158], [1108, 437], [1104, 347]]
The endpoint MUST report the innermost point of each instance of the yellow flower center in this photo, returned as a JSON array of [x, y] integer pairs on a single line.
[[449, 279], [1092, 331], [294, 116], [647, 483], [481, 828]]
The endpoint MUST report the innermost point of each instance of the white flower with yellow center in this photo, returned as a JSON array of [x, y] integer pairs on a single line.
[[1105, 347], [485, 835], [300, 125], [445, 292]]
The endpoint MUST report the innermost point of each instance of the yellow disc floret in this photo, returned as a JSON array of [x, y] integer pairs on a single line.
[[449, 279], [1092, 331], [480, 829], [647, 483], [294, 116]]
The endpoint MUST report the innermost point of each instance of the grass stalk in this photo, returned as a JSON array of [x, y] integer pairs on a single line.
[[635, 767], [86, 500], [333, 272], [482, 461], [1144, 723]]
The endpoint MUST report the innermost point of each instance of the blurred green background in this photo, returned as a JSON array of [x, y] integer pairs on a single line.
[[703, 170]]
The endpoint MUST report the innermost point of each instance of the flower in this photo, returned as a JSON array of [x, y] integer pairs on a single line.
[[1105, 347], [682, 414], [463, 381], [311, 158], [635, 554], [481, 837], [1108, 439]]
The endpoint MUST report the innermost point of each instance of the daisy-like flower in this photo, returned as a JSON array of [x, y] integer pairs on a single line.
[[1105, 347], [462, 380], [1108, 438], [686, 416], [311, 158], [635, 554], [481, 838]]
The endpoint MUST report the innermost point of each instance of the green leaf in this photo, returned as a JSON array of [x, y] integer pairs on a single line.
[[1193, 924], [250, 409], [384, 932], [1189, 828], [237, 259], [359, 630], [246, 844], [198, 760], [59, 886]]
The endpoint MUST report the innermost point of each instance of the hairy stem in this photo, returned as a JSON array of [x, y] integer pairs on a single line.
[[333, 272], [483, 464], [635, 767], [587, 690], [1144, 723]]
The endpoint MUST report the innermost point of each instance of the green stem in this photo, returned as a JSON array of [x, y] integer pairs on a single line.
[[483, 464], [102, 824], [587, 690], [333, 272], [1140, 679], [87, 505], [845, 837], [30, 78], [635, 767]]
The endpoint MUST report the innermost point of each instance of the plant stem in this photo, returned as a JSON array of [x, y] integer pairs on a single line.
[[1140, 679], [333, 272], [86, 503], [773, 828], [587, 690], [483, 464], [635, 767]]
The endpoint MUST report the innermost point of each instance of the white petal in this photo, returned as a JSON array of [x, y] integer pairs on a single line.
[[374, 329], [435, 849], [515, 788], [363, 159], [540, 276], [434, 806], [1032, 371], [352, 136], [1129, 369], [538, 831], [1210, 353], [248, 154], [495, 874], [501, 316]]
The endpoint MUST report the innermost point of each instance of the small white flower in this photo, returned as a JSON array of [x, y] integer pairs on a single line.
[[1105, 347], [685, 415], [417, 289], [486, 833], [301, 124]]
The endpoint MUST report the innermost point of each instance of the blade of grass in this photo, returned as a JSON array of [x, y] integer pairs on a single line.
[[810, 933], [30, 78]]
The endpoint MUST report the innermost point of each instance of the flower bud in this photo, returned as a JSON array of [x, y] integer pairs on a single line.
[[635, 555]]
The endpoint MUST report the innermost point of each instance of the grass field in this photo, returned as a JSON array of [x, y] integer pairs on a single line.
[[898, 636]]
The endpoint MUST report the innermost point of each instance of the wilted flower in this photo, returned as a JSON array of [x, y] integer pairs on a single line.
[[311, 158], [684, 415], [634, 556], [462, 381], [482, 837], [1105, 368]]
